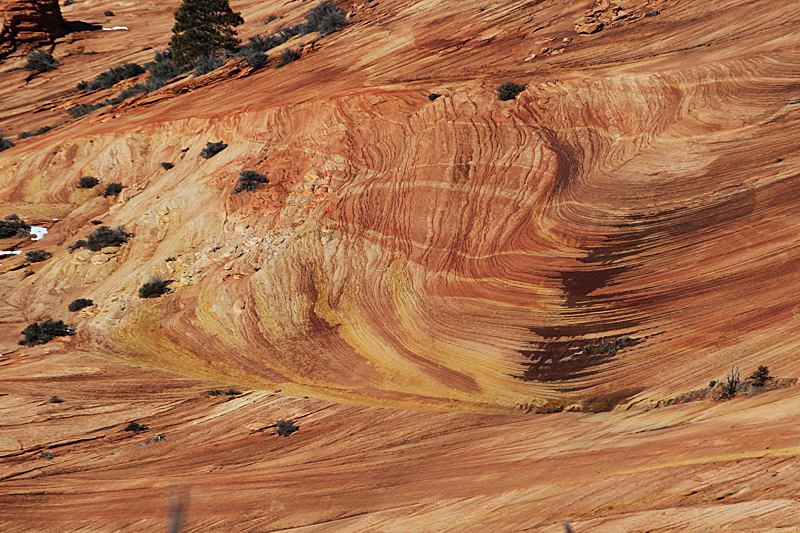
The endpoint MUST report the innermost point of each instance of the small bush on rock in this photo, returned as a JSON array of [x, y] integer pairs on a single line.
[[287, 56], [257, 60], [80, 303], [136, 427], [87, 182], [41, 61], [509, 91], [167, 166], [155, 287], [33, 133], [13, 226], [759, 377], [113, 189], [103, 237], [36, 256], [206, 64], [325, 18], [284, 428], [249, 180], [212, 149], [44, 332], [5, 144], [112, 76], [84, 109]]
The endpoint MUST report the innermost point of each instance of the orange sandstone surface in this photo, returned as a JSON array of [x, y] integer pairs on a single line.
[[420, 280]]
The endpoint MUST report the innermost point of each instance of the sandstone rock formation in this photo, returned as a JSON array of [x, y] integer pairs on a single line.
[[420, 281], [28, 23]]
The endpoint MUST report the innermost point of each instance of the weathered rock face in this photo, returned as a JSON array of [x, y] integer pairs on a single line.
[[28, 23]]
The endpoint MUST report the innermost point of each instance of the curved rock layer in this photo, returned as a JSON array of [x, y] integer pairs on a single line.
[[618, 233]]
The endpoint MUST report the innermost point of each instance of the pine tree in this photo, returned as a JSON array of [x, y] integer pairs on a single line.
[[203, 27]]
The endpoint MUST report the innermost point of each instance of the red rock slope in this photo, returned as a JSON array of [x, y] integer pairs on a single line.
[[620, 233]]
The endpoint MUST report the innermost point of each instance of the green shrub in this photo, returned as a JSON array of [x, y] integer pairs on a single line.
[[42, 333], [87, 182], [37, 256], [155, 287], [509, 91], [40, 61], [80, 303], [203, 27], [103, 237], [250, 180], [113, 189], [13, 226], [212, 149], [759, 377]]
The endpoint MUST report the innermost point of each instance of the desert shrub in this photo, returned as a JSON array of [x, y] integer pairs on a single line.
[[109, 13], [270, 19], [97, 222], [284, 428], [257, 60], [232, 392], [112, 76], [69, 2], [166, 166], [113, 189], [136, 427], [285, 33], [154, 288], [44, 332], [56, 399], [212, 149], [509, 90], [162, 66], [84, 109], [80, 303], [730, 386], [287, 56], [759, 377], [5, 144], [325, 18], [151, 84], [433, 96], [203, 27], [29, 273], [83, 85], [249, 180], [206, 64], [33, 133], [13, 226], [103, 237], [652, 13], [87, 182], [257, 44], [40, 61], [36, 256], [712, 383], [215, 392]]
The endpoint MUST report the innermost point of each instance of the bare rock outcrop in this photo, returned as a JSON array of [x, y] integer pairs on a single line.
[[28, 23]]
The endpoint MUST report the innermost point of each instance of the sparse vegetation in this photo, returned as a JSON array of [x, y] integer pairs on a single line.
[[257, 60], [80, 303], [136, 427], [97, 222], [36, 256], [760, 377], [324, 18], [84, 109], [109, 13], [44, 332], [284, 428], [155, 287], [249, 180], [206, 64], [56, 399], [5, 143], [113, 189], [212, 149], [112, 76], [509, 91], [13, 226], [41, 61], [167, 166], [162, 66], [88, 182], [433, 96], [203, 27], [150, 84], [287, 56], [102, 238], [33, 133]]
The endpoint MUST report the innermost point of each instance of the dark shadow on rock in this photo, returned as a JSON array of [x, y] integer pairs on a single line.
[[72, 26]]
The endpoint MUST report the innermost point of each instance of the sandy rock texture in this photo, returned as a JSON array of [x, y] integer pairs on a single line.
[[421, 280], [29, 23]]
